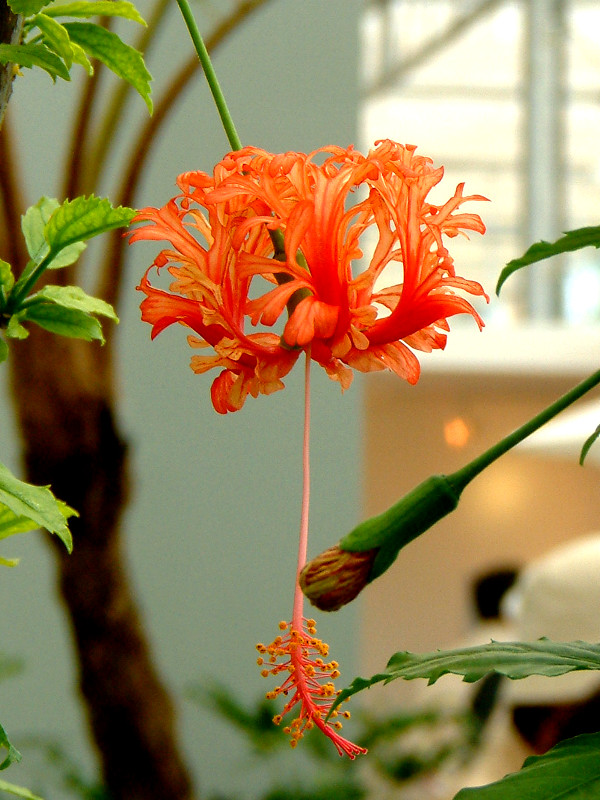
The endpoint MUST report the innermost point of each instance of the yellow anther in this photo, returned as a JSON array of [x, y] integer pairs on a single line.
[[283, 625]]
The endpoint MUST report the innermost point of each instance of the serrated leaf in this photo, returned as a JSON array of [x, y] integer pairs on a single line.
[[75, 298], [27, 7], [7, 279], [587, 444], [33, 225], [12, 524], [13, 756], [34, 55], [93, 8], [569, 771], [64, 321], [572, 240], [515, 660], [55, 37], [36, 503], [80, 219], [125, 61], [18, 791]]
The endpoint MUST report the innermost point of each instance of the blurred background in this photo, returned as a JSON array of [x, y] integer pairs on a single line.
[[506, 96]]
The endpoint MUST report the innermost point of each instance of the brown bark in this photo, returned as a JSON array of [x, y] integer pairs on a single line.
[[10, 33], [71, 441]]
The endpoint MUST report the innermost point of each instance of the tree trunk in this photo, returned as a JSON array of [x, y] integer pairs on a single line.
[[65, 404]]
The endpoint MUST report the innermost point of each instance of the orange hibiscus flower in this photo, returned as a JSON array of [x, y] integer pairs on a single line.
[[223, 231]]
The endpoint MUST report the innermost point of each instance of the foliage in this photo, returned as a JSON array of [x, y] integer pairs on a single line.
[[515, 660], [55, 46]]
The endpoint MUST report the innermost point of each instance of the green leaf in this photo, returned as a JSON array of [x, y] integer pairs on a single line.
[[14, 329], [572, 240], [34, 55], [55, 37], [7, 279], [27, 7], [93, 8], [587, 444], [3, 350], [64, 321], [33, 225], [569, 771], [33, 222], [126, 62], [18, 791], [515, 660], [36, 503], [80, 219], [12, 524], [13, 756], [75, 298]]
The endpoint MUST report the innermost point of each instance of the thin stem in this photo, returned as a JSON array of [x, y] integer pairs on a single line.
[[463, 476], [303, 542], [211, 76]]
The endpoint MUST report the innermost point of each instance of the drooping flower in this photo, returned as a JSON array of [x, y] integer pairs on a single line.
[[223, 231], [309, 681], [341, 315]]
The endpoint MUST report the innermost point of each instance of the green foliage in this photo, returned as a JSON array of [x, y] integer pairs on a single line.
[[569, 771], [78, 220], [54, 46], [55, 235], [126, 62], [25, 507], [572, 240], [515, 660], [34, 55], [27, 7]]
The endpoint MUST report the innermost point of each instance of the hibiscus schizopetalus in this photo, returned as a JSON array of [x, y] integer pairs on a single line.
[[221, 234], [272, 240]]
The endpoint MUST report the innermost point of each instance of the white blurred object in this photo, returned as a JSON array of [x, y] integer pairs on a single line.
[[558, 597]]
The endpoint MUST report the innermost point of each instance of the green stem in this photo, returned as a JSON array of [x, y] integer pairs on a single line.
[[211, 76], [26, 282], [462, 477], [438, 495]]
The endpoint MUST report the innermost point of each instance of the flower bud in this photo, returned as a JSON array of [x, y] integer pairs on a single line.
[[335, 577]]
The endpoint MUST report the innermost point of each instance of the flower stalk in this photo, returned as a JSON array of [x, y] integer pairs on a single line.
[[330, 580], [211, 76]]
